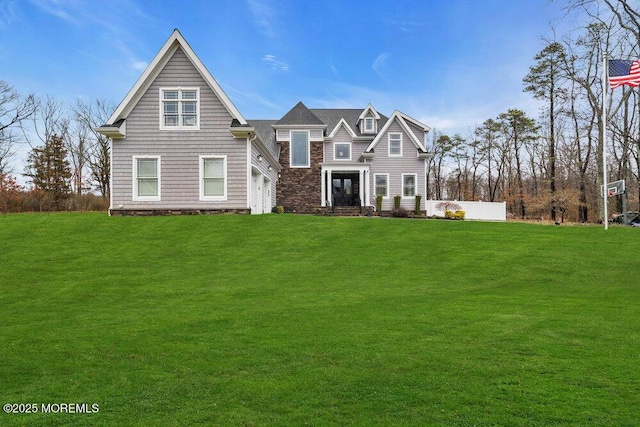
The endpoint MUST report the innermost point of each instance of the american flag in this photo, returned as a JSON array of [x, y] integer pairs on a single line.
[[624, 72]]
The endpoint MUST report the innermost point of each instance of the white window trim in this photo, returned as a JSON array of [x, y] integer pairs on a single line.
[[373, 125], [134, 169], [201, 178], [341, 158], [291, 133], [415, 185], [389, 144], [375, 186], [180, 126]]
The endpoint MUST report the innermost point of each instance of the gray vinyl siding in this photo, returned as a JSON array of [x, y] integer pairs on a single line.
[[418, 132], [341, 136], [357, 147], [396, 167], [180, 150]]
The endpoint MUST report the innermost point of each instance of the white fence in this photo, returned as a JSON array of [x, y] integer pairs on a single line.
[[485, 211]]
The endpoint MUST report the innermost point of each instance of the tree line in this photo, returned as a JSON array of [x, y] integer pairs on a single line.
[[68, 165], [551, 166]]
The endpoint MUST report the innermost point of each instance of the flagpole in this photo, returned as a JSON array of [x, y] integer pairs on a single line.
[[605, 84]]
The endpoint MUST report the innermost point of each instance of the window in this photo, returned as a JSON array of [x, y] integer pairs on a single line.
[[369, 125], [179, 108], [395, 144], [299, 156], [382, 185], [213, 178], [408, 185], [146, 179], [342, 151]]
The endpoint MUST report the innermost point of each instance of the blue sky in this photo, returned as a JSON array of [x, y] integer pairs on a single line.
[[449, 63]]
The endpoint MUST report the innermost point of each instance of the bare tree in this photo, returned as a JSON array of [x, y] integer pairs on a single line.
[[89, 116], [14, 110], [48, 120], [519, 130]]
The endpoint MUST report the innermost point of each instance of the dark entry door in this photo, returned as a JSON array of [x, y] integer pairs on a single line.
[[343, 187]]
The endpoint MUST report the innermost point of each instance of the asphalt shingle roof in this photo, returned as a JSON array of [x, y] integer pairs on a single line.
[[300, 115], [266, 133]]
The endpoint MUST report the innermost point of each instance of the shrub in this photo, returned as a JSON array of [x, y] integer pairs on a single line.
[[379, 203], [10, 193], [280, 209], [396, 202], [418, 199], [88, 202], [454, 215], [399, 212], [447, 206]]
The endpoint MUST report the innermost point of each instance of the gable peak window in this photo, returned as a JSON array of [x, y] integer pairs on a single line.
[[395, 144], [180, 108]]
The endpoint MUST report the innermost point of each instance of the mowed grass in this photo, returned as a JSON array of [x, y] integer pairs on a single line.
[[292, 320]]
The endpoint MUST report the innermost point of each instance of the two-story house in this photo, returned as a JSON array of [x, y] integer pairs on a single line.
[[179, 145], [345, 157]]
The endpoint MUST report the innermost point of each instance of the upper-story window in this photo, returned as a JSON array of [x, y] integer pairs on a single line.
[[180, 108], [342, 151], [395, 144], [369, 125], [299, 155]]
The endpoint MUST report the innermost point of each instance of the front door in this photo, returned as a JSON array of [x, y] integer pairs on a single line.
[[343, 189]]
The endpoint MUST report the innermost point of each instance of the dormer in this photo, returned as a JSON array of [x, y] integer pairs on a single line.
[[368, 121]]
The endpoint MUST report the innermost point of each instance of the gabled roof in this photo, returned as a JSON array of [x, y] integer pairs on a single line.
[[367, 109], [342, 123], [175, 41], [402, 119], [300, 115], [331, 117]]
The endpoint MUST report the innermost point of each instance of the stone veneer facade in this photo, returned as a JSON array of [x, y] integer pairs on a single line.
[[300, 189]]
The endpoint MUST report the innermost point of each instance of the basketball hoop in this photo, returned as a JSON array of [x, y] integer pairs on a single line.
[[615, 188]]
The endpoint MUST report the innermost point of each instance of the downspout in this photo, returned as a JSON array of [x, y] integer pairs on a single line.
[[249, 171], [111, 175]]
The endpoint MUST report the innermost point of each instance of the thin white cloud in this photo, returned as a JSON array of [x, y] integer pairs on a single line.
[[407, 25], [138, 65], [8, 13], [346, 95], [334, 69], [264, 16], [274, 63], [243, 97], [378, 64], [67, 11], [115, 20]]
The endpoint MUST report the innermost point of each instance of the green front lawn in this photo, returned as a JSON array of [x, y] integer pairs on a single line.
[[291, 320]]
